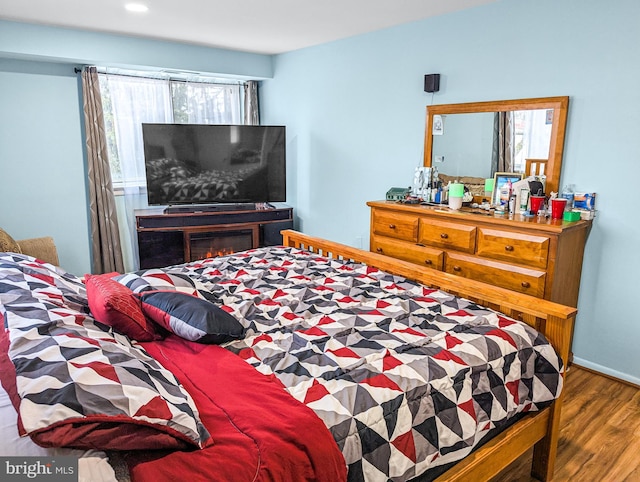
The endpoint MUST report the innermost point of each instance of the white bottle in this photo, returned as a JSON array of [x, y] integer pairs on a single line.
[[523, 201], [505, 194]]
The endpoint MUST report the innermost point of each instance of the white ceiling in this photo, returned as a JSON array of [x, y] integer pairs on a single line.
[[260, 26]]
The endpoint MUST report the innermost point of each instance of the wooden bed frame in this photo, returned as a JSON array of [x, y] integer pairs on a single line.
[[539, 429]]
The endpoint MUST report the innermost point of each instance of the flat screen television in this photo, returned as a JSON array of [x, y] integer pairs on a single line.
[[200, 164]]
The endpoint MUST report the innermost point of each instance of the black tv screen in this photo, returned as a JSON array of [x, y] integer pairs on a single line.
[[209, 164]]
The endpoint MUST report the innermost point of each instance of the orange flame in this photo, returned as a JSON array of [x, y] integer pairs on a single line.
[[220, 252]]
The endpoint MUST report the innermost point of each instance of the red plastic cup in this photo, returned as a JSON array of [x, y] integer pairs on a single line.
[[536, 204], [557, 208]]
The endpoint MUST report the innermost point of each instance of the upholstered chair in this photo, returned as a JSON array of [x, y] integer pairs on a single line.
[[42, 248]]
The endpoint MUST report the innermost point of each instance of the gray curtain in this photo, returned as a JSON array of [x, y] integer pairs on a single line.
[[105, 236], [503, 148], [251, 108]]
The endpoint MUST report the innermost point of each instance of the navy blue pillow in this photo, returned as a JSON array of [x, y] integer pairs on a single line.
[[191, 318]]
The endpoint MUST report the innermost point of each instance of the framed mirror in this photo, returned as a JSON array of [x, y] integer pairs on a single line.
[[478, 139]]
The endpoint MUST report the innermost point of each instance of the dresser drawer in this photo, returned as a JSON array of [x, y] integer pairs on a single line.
[[396, 225], [516, 278], [414, 253], [524, 249], [443, 234]]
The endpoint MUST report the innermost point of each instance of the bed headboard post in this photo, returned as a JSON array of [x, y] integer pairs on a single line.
[[286, 239], [558, 331]]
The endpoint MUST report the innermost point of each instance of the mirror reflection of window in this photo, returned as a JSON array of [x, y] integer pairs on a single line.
[[532, 135]]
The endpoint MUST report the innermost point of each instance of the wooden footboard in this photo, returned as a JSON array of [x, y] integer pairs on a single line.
[[555, 321]]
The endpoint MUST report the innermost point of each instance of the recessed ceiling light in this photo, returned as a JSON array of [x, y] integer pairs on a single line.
[[136, 7]]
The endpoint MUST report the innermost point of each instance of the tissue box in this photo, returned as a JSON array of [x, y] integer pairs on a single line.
[[584, 200], [585, 214]]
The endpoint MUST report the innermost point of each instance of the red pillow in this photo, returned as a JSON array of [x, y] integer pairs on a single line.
[[115, 305]]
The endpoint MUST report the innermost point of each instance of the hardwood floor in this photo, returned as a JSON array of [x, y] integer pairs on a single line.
[[599, 434]]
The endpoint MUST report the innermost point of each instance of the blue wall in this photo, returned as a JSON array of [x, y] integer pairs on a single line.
[[42, 176], [355, 113]]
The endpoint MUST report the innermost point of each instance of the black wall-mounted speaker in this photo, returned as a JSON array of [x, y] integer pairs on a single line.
[[432, 82]]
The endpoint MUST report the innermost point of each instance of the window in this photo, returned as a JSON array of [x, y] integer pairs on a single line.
[[129, 101]]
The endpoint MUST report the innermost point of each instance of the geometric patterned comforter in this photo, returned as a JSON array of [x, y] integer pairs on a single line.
[[73, 371], [406, 378]]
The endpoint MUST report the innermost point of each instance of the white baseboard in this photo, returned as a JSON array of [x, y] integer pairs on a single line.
[[606, 371]]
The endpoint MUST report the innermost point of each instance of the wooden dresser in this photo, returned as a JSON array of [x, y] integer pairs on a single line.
[[537, 256]]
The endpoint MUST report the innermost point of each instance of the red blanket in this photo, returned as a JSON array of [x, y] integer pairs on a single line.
[[260, 432]]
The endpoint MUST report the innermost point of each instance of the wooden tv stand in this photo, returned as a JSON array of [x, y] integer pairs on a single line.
[[179, 237]]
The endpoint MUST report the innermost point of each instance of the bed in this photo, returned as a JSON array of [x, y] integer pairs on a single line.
[[317, 361]]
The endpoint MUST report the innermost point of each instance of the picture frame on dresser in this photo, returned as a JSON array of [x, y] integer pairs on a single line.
[[502, 178]]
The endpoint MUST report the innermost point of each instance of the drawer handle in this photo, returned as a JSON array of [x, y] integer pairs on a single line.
[[444, 235], [457, 269], [379, 250], [428, 261], [392, 226], [525, 284], [508, 247]]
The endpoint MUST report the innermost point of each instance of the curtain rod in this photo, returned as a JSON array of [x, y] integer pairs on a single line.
[[220, 81]]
